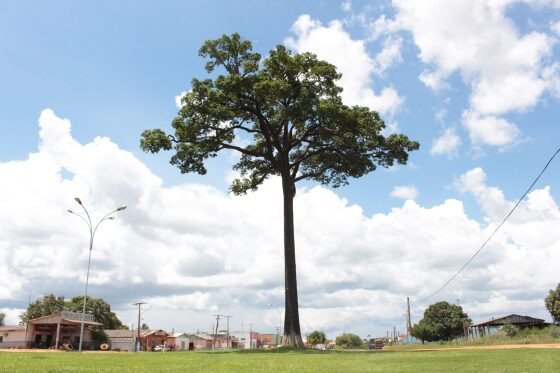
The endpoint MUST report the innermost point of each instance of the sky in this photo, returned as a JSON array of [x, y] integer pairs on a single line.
[[477, 83]]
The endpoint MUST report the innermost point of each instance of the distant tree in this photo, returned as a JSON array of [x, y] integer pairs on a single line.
[[422, 332], [289, 114], [50, 304], [145, 326], [45, 306], [552, 302], [100, 310], [442, 321], [316, 337], [2, 318], [349, 340]]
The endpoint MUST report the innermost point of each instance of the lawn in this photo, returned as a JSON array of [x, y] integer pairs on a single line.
[[518, 360]]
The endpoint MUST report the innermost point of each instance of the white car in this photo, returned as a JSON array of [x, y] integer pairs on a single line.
[[162, 348]]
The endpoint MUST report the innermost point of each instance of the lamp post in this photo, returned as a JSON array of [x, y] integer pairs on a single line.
[[277, 329], [92, 230]]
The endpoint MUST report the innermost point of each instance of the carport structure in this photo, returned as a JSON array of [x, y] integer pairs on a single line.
[[519, 321], [61, 327]]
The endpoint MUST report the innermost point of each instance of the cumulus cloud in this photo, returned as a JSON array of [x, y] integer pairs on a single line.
[[335, 45], [405, 192], [504, 68], [192, 250], [447, 143]]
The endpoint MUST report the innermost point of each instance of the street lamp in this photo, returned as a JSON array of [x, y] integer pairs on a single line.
[[277, 329], [92, 230]]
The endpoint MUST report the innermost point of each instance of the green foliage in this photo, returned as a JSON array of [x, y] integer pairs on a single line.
[[441, 321], [316, 337], [2, 318], [144, 326], [50, 304], [287, 109], [509, 330], [99, 335], [349, 341], [552, 302], [100, 310], [45, 306]]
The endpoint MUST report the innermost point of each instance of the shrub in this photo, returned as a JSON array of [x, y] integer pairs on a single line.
[[348, 340], [509, 330]]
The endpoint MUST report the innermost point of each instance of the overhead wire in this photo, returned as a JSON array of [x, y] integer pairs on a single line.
[[494, 232]]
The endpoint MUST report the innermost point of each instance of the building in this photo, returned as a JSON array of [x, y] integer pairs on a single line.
[[12, 336], [271, 340], [62, 328], [125, 340], [245, 340], [491, 326]]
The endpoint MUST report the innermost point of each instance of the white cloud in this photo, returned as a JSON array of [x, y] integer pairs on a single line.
[[335, 45], [490, 129], [503, 67], [191, 250], [447, 143], [404, 192], [178, 99]]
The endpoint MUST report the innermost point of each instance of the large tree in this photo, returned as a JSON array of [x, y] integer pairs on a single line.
[[441, 321], [287, 111], [552, 303], [100, 310], [2, 318], [45, 306]]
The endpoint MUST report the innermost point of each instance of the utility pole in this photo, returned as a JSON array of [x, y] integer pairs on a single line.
[[139, 304], [217, 322], [277, 335], [250, 335], [227, 317], [408, 323]]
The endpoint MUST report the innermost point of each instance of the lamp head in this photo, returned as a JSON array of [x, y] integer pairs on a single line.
[[111, 218], [70, 211], [78, 200], [123, 207]]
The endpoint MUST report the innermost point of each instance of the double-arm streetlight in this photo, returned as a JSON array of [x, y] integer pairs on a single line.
[[92, 230]]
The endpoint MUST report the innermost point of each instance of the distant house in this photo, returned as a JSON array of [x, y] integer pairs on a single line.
[[12, 336], [183, 341], [149, 339], [490, 326]]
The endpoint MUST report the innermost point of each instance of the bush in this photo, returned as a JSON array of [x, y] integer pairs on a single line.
[[509, 330], [349, 340]]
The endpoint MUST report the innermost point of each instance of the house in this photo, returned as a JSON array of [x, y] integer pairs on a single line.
[[12, 336], [245, 340], [125, 340], [61, 328], [121, 339], [271, 340], [183, 342]]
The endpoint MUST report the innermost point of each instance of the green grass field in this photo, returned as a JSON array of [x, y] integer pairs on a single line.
[[514, 360]]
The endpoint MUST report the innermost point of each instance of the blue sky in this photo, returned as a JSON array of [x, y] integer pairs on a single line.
[[114, 69]]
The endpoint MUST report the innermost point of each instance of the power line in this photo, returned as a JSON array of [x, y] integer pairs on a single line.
[[495, 230]]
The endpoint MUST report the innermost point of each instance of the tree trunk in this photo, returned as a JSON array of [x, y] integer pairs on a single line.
[[292, 332]]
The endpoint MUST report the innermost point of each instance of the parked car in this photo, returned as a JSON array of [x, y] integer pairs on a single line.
[[161, 348]]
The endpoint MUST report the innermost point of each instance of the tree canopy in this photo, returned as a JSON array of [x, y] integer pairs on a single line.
[[285, 117], [289, 106], [2, 318], [552, 303], [50, 304], [316, 337], [441, 321]]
